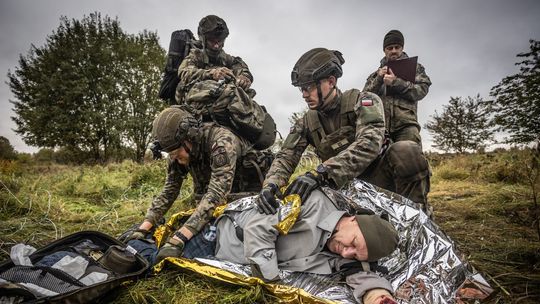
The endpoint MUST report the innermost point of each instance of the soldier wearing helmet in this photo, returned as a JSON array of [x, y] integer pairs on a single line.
[[400, 97], [348, 133], [216, 160], [209, 60]]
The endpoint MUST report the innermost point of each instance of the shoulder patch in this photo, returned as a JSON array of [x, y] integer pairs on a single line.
[[219, 157], [366, 102]]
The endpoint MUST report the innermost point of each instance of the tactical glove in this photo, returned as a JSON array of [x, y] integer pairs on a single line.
[[266, 202], [170, 250], [135, 234], [305, 184]]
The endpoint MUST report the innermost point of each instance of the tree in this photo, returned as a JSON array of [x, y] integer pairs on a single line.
[[516, 104], [463, 125], [141, 84], [6, 149], [83, 88]]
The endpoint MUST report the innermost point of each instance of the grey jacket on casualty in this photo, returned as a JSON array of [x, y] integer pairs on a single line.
[[302, 249]]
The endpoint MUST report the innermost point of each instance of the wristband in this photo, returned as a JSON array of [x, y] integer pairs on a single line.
[[182, 237]]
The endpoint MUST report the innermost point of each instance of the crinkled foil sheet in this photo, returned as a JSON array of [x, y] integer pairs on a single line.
[[426, 268]]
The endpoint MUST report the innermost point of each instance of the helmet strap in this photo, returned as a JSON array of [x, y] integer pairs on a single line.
[[329, 93], [188, 150], [319, 94]]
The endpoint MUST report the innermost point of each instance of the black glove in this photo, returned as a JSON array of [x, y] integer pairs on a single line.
[[170, 250], [134, 233], [266, 202], [303, 186]]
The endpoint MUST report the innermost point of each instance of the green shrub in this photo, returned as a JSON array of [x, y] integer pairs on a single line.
[[509, 167]]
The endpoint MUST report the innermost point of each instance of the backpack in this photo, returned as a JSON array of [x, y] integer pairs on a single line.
[[179, 48], [230, 106], [94, 264]]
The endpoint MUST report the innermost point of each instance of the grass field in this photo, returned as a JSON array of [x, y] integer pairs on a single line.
[[484, 202]]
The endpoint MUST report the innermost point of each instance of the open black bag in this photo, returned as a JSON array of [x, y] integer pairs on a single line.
[[122, 263]]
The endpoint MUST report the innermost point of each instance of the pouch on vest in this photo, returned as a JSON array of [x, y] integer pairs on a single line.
[[336, 142], [230, 106]]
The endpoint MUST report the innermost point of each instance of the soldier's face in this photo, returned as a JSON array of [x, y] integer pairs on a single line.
[[393, 51], [348, 240], [214, 43], [310, 95], [180, 155]]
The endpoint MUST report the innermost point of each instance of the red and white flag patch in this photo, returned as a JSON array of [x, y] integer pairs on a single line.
[[367, 102]]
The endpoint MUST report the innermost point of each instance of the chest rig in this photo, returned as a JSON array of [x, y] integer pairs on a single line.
[[329, 145]]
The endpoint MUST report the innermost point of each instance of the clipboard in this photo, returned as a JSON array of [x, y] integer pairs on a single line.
[[404, 68]]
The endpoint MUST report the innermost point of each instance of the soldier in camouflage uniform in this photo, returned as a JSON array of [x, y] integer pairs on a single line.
[[209, 61], [400, 97], [347, 131], [219, 162]]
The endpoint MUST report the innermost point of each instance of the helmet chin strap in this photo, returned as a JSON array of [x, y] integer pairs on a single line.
[[319, 94]]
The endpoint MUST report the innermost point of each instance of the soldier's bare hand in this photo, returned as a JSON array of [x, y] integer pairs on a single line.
[[389, 78], [243, 82], [382, 71], [221, 73]]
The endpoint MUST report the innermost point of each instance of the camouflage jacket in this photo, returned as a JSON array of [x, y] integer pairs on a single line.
[[195, 67], [364, 135], [219, 164], [401, 98]]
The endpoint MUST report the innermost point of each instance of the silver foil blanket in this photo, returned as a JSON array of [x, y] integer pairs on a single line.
[[426, 267]]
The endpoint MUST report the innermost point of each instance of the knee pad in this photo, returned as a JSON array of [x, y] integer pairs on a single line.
[[407, 161]]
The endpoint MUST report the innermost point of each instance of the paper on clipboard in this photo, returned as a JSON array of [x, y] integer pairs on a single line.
[[404, 68]]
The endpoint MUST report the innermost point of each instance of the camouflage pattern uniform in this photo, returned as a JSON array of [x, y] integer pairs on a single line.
[[219, 165], [401, 102], [196, 66], [358, 150]]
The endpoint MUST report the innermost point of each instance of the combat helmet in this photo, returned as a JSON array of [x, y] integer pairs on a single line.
[[172, 126], [212, 25], [317, 64]]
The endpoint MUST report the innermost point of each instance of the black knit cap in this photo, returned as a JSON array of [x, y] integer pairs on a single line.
[[381, 237], [393, 37]]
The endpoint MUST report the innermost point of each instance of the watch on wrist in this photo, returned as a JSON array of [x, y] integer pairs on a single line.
[[321, 170]]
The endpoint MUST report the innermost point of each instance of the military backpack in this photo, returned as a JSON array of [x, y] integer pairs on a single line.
[[229, 105], [179, 47]]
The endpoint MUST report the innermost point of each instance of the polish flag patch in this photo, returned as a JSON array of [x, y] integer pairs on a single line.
[[367, 102]]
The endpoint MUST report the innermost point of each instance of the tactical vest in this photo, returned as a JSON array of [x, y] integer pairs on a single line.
[[329, 145]]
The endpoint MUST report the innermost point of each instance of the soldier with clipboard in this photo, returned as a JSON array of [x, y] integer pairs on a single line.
[[401, 82]]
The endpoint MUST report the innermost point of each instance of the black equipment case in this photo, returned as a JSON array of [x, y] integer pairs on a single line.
[[103, 252]]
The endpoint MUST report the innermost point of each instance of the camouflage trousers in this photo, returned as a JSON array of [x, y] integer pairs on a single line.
[[411, 133], [402, 169]]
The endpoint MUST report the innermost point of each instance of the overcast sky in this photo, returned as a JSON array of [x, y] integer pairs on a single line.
[[466, 46]]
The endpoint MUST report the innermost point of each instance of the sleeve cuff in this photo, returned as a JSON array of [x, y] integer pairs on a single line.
[[267, 264], [401, 85], [362, 282]]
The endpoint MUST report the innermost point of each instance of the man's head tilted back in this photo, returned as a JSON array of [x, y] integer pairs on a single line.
[[363, 237]]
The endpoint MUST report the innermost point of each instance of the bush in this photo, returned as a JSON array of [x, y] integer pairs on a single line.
[[9, 167], [508, 167]]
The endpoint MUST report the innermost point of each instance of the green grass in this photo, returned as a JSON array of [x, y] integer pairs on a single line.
[[486, 206], [482, 201]]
